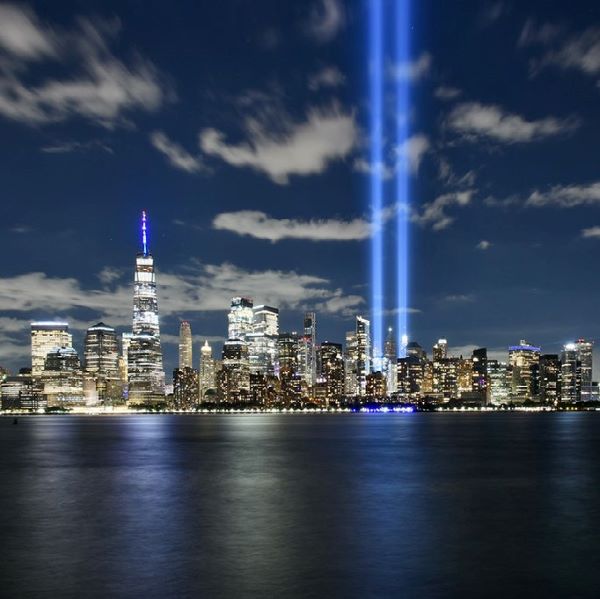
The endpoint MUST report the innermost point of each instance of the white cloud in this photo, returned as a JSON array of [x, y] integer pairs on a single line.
[[484, 245], [444, 92], [591, 232], [302, 148], [65, 147], [534, 34], [449, 177], [411, 71], [413, 150], [434, 213], [459, 298], [177, 156], [261, 226], [360, 165], [102, 88], [327, 77], [473, 120], [327, 18], [22, 35], [566, 196]]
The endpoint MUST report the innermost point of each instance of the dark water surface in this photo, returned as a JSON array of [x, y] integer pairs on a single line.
[[422, 505]]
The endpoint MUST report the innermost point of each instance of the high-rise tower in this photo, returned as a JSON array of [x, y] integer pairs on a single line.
[[145, 366], [185, 345]]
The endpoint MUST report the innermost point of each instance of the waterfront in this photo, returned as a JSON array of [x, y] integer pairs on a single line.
[[350, 505]]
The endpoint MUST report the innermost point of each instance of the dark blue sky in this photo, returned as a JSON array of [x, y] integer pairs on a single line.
[[251, 116]]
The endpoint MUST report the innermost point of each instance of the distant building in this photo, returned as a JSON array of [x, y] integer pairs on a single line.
[[440, 350], [570, 374], [22, 392], [235, 371], [46, 336], [350, 365], [307, 351], [185, 345], [585, 350], [288, 367], [550, 378], [185, 388], [63, 378], [240, 318], [332, 370], [262, 341], [523, 361], [375, 386], [363, 353], [207, 373], [480, 378], [101, 363], [499, 382], [145, 374]]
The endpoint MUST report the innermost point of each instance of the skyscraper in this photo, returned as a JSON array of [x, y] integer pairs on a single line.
[[46, 336], [332, 370], [570, 374], [363, 353], [584, 350], [287, 366], [207, 371], [101, 362], [235, 373], [240, 318], [185, 345], [145, 366], [63, 378], [550, 376], [308, 351], [523, 361], [262, 341]]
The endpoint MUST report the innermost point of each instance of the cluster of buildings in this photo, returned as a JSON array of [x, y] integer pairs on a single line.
[[260, 366]]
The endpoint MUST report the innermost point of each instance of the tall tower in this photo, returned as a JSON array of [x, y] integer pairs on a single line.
[[207, 371], [145, 365], [101, 355], [240, 318], [308, 355], [185, 345], [363, 353]]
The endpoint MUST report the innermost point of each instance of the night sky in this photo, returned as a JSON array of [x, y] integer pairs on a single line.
[[242, 128]]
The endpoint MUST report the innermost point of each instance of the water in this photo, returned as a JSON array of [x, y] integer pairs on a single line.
[[423, 505]]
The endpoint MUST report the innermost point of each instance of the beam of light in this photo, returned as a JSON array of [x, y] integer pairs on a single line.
[[402, 56], [144, 234], [376, 181]]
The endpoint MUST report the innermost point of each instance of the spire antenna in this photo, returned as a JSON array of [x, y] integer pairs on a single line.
[[144, 234]]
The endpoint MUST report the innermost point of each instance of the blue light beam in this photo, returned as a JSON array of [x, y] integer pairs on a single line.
[[402, 57], [144, 234], [376, 182]]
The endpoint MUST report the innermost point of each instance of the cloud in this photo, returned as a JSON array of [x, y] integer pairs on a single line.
[[102, 88], [304, 148], [413, 150], [22, 35], [590, 232], [566, 196], [65, 147], [449, 177], [327, 77], [360, 165], [459, 298], [472, 120], [533, 34], [492, 12], [109, 275], [261, 226], [483, 245], [177, 156], [444, 92], [326, 19], [411, 71], [434, 213]]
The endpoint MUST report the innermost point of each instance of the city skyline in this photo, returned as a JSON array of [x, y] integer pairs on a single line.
[[503, 190]]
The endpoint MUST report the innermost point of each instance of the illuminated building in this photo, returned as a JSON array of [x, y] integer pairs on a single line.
[[185, 345], [332, 370], [363, 353], [479, 370], [288, 363], [390, 362], [550, 375], [22, 392], [240, 318], [145, 374], [523, 361], [440, 350], [410, 375], [185, 388], [584, 355], [101, 363], [63, 378], [262, 341], [350, 361], [46, 336], [464, 376], [375, 386], [207, 373], [308, 355], [570, 374], [235, 371], [499, 382]]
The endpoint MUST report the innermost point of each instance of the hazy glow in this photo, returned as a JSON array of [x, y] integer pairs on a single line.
[[402, 56], [376, 183]]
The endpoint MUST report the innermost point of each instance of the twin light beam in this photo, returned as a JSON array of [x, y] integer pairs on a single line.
[[401, 51]]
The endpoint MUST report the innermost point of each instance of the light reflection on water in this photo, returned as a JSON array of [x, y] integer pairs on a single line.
[[295, 505]]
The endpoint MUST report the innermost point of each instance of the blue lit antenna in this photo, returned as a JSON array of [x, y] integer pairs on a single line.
[[144, 235]]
